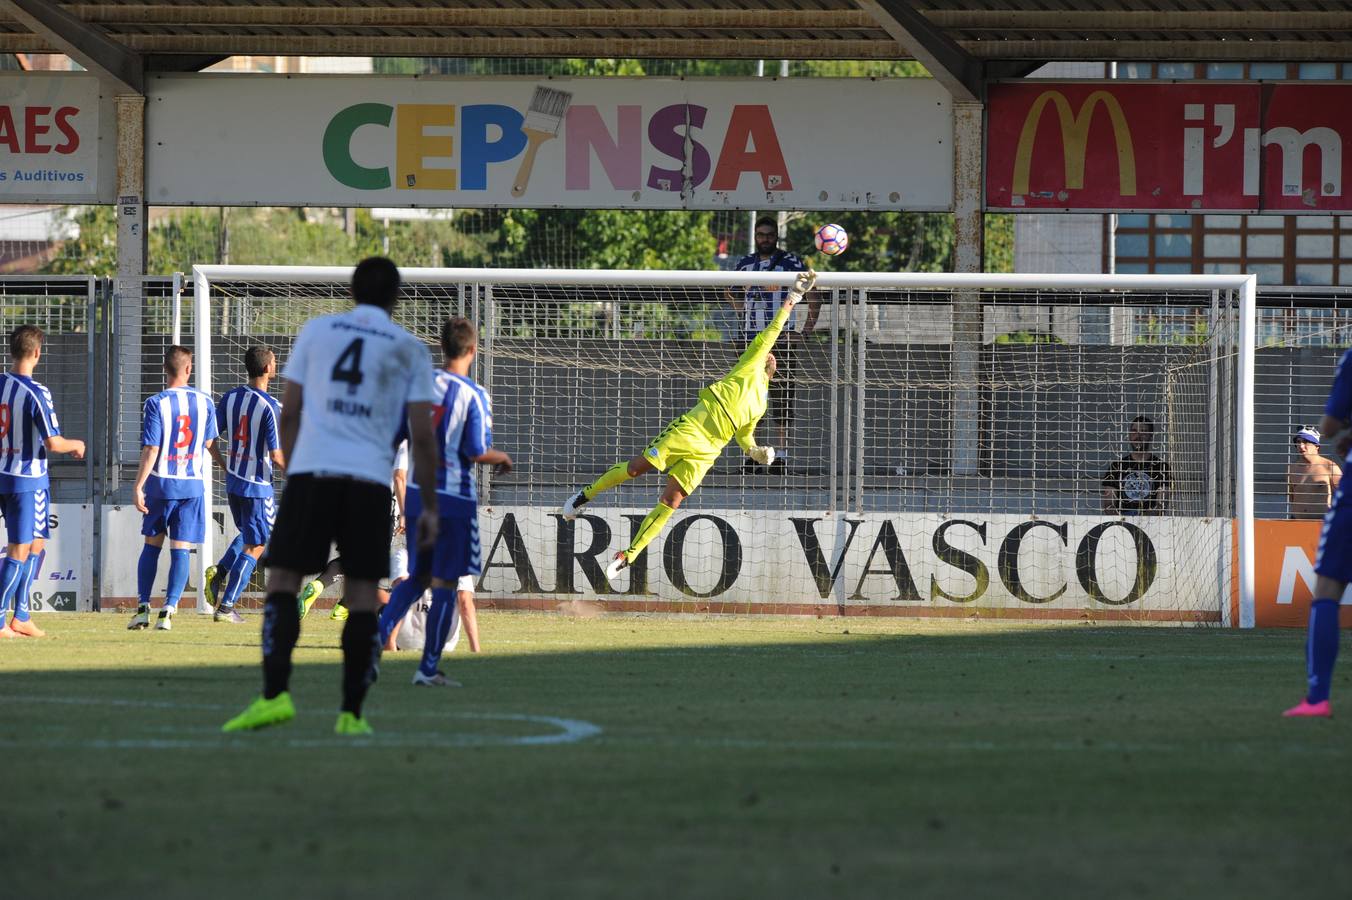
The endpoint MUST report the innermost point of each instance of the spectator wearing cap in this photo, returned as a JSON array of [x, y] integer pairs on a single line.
[[1138, 483], [1312, 479]]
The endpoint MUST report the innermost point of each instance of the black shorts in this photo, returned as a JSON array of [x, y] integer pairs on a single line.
[[317, 512]]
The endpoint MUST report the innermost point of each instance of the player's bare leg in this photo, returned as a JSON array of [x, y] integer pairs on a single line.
[[615, 476], [672, 497], [1319, 659], [470, 616]]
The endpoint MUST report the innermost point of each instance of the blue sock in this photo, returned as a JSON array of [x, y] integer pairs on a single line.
[[24, 595], [240, 573], [11, 573], [229, 557], [146, 568], [1321, 648], [402, 599], [178, 576], [439, 620]]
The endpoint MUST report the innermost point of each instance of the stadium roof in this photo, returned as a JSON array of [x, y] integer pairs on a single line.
[[962, 42]]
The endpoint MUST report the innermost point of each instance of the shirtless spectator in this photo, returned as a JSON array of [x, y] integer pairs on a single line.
[[1312, 479]]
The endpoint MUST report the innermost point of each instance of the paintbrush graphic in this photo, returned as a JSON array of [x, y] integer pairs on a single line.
[[543, 119]]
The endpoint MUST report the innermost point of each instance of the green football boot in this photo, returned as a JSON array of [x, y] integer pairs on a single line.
[[352, 726], [261, 713]]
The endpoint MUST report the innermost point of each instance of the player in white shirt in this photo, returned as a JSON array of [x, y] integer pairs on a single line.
[[351, 379]]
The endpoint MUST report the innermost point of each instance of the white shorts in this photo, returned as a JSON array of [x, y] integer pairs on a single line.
[[398, 563]]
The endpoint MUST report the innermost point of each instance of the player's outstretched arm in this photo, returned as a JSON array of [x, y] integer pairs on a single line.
[[754, 355], [746, 439], [58, 444], [498, 459], [289, 423]]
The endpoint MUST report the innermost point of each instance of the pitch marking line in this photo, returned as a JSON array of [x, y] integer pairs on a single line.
[[566, 731]]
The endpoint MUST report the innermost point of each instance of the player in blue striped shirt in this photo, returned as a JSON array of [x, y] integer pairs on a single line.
[[252, 451], [463, 429], [178, 426], [28, 432], [1333, 560]]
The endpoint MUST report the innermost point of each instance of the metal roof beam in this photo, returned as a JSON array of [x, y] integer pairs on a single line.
[[953, 67], [1138, 20], [450, 45], [88, 46], [1166, 51], [466, 17], [184, 62]]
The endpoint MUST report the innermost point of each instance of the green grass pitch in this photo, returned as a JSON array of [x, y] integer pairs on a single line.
[[654, 757]]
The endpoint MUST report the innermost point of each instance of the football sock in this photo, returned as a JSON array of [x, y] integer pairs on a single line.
[[332, 572], [1321, 648], [178, 576], [281, 630], [146, 568], [229, 557], [11, 573], [240, 573], [361, 658], [649, 528], [615, 476], [24, 594], [402, 599], [440, 618]]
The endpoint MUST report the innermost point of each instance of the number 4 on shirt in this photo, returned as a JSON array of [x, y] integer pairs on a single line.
[[348, 367]]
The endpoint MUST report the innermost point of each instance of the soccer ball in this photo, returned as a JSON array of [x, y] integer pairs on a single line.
[[832, 240]]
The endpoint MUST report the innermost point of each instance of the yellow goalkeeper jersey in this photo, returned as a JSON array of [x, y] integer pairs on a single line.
[[730, 407]]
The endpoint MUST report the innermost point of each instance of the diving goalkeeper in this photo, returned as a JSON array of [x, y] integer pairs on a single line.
[[689, 446]]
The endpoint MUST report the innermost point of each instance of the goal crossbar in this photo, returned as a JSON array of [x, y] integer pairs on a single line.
[[1243, 287]]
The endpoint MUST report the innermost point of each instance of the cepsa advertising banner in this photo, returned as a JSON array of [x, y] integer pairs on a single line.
[[644, 143], [56, 135], [1181, 147]]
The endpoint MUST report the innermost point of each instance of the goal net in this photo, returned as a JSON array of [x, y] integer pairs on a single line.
[[1046, 447]]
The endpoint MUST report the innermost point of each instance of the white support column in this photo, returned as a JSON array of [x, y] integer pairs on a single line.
[[1244, 480], [128, 290], [968, 253], [202, 368]]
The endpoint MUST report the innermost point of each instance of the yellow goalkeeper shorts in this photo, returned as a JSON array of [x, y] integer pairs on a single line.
[[684, 451]]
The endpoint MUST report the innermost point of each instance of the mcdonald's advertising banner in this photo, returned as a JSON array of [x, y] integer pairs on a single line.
[[1181, 147], [615, 143]]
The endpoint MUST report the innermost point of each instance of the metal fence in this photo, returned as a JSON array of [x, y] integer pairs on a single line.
[[1052, 400]]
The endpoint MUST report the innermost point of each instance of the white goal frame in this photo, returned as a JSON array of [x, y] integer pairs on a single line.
[[1245, 287]]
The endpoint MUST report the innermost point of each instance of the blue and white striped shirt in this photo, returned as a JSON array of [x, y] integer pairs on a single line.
[[761, 304], [179, 421], [27, 419], [250, 417], [463, 431]]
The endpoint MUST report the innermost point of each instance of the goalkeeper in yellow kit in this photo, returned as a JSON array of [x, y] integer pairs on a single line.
[[690, 444]]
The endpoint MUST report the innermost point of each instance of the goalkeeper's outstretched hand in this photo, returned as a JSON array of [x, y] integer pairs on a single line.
[[762, 455], [801, 285]]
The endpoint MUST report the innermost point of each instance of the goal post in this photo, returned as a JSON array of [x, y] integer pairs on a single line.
[[877, 509]]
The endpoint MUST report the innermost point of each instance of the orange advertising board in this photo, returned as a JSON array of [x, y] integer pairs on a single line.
[[1284, 573]]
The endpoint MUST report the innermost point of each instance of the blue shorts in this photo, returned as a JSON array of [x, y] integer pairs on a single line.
[[183, 520], [1334, 559], [25, 516], [253, 517], [457, 549]]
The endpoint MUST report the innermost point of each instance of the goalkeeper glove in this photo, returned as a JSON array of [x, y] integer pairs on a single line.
[[762, 455], [801, 285]]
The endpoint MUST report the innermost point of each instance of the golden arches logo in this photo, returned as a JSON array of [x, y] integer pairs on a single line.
[[1074, 138]]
